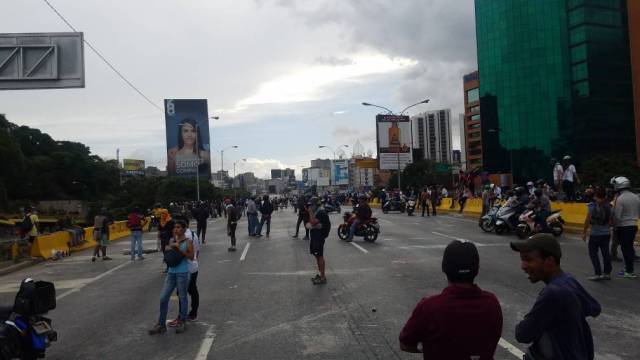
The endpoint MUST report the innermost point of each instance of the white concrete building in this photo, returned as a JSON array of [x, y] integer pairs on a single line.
[[432, 133]]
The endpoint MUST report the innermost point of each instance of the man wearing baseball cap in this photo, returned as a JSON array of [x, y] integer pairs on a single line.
[[556, 325], [462, 322]]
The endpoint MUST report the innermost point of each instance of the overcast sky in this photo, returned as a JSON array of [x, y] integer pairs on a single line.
[[283, 75]]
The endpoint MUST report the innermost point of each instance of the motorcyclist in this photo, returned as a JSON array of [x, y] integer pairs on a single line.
[[530, 188], [519, 203], [362, 213], [541, 206]]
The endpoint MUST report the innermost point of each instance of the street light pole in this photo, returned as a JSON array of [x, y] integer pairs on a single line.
[[222, 157]]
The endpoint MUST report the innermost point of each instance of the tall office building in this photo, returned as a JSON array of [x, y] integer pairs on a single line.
[[555, 79], [471, 125], [432, 134], [463, 145], [634, 41]]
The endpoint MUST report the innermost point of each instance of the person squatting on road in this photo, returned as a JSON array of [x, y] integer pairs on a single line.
[[599, 220], [232, 222], [362, 214], [556, 326], [265, 210], [461, 323], [136, 222], [177, 258], [101, 224], [303, 217], [626, 212], [319, 227]]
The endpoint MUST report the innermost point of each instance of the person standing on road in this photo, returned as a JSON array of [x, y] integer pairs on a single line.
[[435, 200], [265, 210], [201, 215], [462, 322], [136, 222], [424, 201], [177, 277], [232, 214], [29, 227], [556, 325], [252, 216], [599, 220], [626, 213], [303, 217], [101, 224], [319, 227], [569, 179], [192, 289]]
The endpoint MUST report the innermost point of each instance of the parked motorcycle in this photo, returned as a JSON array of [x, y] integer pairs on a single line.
[[393, 205], [332, 207], [527, 224], [411, 206], [369, 229], [24, 333]]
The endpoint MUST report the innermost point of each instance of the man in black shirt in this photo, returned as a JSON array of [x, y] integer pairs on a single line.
[[265, 210], [319, 227], [362, 214], [303, 217], [201, 215]]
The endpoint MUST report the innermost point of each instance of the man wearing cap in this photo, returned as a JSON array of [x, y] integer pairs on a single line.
[[462, 322], [556, 325], [319, 227]]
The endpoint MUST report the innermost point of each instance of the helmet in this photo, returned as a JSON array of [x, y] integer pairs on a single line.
[[529, 183], [620, 183], [519, 191], [567, 157]]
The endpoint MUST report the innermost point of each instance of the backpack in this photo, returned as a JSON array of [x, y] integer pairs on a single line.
[[26, 225], [133, 222]]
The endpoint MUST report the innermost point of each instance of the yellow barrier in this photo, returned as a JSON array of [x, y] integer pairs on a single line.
[[45, 246]]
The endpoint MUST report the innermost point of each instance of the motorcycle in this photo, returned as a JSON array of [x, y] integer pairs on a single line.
[[394, 205], [527, 224], [24, 333], [502, 218], [488, 221], [332, 207], [369, 229], [411, 207]]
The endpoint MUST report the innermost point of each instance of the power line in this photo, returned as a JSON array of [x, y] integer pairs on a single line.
[[104, 59]]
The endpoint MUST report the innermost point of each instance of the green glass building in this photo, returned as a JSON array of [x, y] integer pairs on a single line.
[[555, 79]]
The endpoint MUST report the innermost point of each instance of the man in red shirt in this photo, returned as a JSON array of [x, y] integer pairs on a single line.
[[463, 322]]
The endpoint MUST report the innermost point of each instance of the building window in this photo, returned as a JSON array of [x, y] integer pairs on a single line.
[[475, 117], [473, 95]]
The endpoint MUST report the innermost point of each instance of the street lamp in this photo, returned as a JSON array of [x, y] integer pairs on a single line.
[[233, 181], [425, 101], [334, 155], [498, 131]]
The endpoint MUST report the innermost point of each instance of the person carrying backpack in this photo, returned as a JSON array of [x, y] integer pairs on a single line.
[[136, 221], [29, 227], [319, 227]]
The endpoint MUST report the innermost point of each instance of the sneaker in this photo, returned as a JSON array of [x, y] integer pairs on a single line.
[[173, 323], [258, 235], [180, 327], [595, 278], [106, 258], [233, 248], [317, 277], [93, 259], [606, 277], [626, 275], [192, 318], [133, 259], [319, 281], [158, 329]]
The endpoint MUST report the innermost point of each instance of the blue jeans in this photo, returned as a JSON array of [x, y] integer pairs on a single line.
[[173, 280], [136, 244], [252, 220], [352, 229]]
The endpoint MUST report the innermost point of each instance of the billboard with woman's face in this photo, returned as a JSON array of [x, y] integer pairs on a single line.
[[188, 144]]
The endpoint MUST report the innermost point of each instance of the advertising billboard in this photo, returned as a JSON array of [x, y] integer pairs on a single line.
[[367, 163], [324, 177], [394, 141], [188, 144], [133, 167], [340, 171]]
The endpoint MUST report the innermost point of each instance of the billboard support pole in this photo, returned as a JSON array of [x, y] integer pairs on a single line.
[[399, 186], [197, 165]]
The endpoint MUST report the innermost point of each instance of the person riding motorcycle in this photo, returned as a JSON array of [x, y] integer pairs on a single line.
[[362, 213], [519, 203], [541, 206]]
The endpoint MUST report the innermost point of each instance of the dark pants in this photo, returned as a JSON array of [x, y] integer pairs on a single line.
[[614, 244], [434, 204], [201, 230], [462, 202], [626, 236], [195, 295], [425, 207], [569, 190], [264, 219], [232, 233], [302, 220], [600, 243]]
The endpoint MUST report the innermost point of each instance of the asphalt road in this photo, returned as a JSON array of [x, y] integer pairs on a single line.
[[259, 303]]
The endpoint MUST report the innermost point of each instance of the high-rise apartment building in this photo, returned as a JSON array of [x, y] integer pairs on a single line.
[[555, 80], [463, 143], [471, 125], [432, 134]]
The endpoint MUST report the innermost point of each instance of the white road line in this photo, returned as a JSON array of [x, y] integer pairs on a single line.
[[510, 348], [360, 248], [450, 237], [92, 280], [244, 252], [207, 343]]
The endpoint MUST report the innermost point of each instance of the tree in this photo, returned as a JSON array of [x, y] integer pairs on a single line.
[[600, 169]]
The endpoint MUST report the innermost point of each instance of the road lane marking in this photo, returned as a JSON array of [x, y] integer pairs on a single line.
[[511, 348], [360, 248], [92, 280], [207, 343], [450, 237], [244, 252]]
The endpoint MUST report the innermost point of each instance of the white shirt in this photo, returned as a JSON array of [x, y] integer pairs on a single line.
[[497, 191], [558, 172], [193, 264], [445, 193], [569, 173]]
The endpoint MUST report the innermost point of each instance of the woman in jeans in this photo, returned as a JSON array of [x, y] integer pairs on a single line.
[[177, 277], [599, 219]]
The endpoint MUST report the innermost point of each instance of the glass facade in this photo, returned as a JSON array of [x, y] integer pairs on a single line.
[[555, 80]]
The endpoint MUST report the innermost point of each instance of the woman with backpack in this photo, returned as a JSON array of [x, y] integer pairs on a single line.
[[101, 234], [599, 221]]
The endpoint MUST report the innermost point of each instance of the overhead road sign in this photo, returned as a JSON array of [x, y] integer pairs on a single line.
[[41, 61]]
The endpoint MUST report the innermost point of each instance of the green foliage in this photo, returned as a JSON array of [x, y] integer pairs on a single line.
[[600, 169], [419, 174]]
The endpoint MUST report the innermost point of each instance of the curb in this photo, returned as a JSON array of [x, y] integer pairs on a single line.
[[19, 266]]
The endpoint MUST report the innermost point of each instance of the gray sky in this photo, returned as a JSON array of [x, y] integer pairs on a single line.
[[283, 75]]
